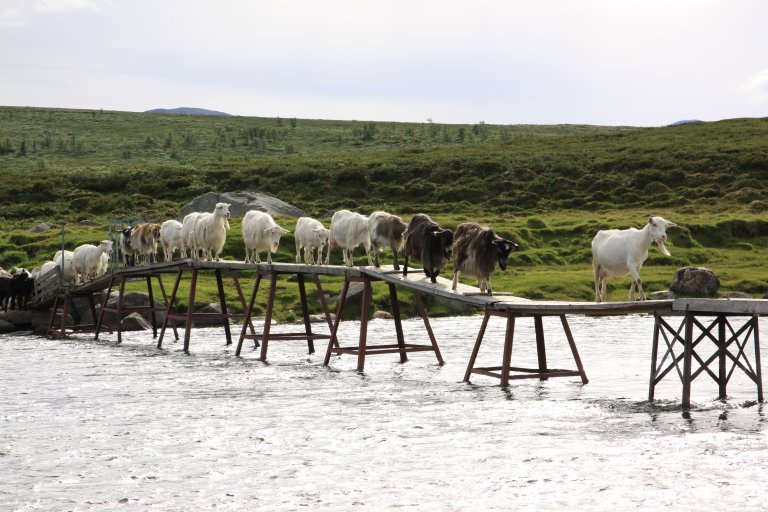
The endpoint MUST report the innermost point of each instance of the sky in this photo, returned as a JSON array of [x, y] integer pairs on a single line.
[[601, 62]]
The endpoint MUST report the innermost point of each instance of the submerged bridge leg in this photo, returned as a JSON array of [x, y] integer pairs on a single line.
[[266, 335], [363, 348], [506, 371], [685, 343], [190, 316], [64, 300]]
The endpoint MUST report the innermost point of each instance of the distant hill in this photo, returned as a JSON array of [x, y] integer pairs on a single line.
[[685, 121], [187, 111]]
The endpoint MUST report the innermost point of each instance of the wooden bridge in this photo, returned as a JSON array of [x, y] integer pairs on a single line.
[[684, 328]]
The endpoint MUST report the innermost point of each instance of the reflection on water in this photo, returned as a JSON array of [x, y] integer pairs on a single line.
[[88, 425]]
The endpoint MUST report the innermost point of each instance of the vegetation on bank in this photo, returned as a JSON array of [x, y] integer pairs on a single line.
[[548, 187]]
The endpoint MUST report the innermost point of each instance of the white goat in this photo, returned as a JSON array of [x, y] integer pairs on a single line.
[[211, 231], [188, 235], [70, 276], [310, 235], [260, 233], [87, 259], [170, 238], [618, 252], [348, 230]]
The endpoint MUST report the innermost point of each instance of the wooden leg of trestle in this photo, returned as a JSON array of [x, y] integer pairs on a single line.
[[654, 355], [103, 305], [367, 292], [53, 313], [688, 355], [427, 326], [506, 361], [120, 310], [574, 350], [242, 301], [722, 376], [476, 349], [541, 348], [398, 322], [65, 315], [169, 310], [190, 310], [305, 313], [165, 301], [223, 304], [152, 305], [324, 305], [336, 321], [268, 317], [758, 372], [248, 314]]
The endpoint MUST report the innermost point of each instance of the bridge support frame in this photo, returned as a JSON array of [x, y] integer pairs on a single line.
[[506, 371], [363, 348], [121, 310], [266, 335], [685, 342], [188, 317], [64, 300]]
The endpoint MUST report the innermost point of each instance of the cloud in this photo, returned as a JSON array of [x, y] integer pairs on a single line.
[[17, 13], [12, 14], [757, 86], [71, 5]]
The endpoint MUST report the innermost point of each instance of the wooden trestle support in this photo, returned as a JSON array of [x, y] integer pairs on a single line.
[[188, 318], [685, 343], [363, 348], [266, 335], [64, 300], [506, 371], [121, 310]]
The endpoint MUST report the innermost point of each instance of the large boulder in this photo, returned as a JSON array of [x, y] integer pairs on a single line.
[[241, 202], [696, 281], [134, 322]]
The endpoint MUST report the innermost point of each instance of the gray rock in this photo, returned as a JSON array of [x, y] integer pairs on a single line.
[[240, 203], [661, 295], [19, 317], [6, 327], [735, 295], [354, 293], [134, 322], [695, 281], [43, 226], [320, 319], [209, 308], [382, 315], [89, 223]]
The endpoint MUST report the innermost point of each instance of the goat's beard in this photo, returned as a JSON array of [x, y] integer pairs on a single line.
[[663, 248]]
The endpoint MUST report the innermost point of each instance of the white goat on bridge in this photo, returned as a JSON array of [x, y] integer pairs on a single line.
[[87, 259], [618, 252], [348, 230], [260, 233], [310, 235]]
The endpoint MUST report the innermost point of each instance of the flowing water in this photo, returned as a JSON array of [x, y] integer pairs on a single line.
[[87, 425]]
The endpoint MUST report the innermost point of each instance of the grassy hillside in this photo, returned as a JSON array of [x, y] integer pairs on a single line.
[[548, 187]]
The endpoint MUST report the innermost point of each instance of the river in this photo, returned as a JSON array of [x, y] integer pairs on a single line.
[[101, 426]]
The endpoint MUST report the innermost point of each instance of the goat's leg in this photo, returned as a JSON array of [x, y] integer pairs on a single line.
[[455, 279]]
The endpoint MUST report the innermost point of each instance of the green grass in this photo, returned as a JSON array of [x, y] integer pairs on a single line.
[[550, 188]]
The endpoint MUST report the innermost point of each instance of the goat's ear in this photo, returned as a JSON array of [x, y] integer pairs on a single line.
[[671, 225], [650, 220], [285, 231], [496, 242]]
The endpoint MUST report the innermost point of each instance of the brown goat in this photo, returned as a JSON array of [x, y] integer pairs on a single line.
[[427, 242], [478, 251], [385, 230]]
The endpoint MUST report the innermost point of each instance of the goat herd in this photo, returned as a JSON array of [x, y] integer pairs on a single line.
[[475, 250]]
